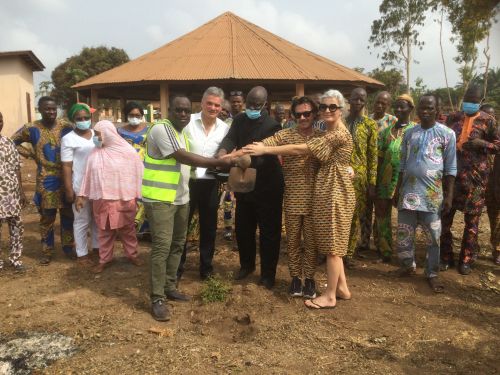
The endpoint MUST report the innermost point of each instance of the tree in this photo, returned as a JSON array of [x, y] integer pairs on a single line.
[[89, 62], [471, 22], [492, 95], [391, 78], [396, 32], [44, 88]]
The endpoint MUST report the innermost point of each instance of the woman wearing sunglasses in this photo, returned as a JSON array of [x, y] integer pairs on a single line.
[[333, 194]]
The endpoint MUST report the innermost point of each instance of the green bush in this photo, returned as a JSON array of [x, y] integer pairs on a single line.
[[215, 289]]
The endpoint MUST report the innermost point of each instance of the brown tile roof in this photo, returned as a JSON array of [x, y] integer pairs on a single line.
[[228, 47], [28, 56]]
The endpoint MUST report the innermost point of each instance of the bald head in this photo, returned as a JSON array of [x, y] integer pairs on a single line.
[[256, 98], [258, 92]]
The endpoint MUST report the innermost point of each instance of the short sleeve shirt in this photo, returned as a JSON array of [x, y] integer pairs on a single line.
[[426, 156], [162, 141], [76, 149]]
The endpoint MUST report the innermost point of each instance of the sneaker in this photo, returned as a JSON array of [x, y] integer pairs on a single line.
[[159, 311], [296, 287], [309, 289]]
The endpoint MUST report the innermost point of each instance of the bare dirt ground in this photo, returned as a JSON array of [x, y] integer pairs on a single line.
[[391, 326]]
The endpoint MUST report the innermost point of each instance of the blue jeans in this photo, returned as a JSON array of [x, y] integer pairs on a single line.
[[430, 222]]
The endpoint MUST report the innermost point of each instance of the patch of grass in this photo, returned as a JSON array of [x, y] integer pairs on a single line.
[[215, 289]]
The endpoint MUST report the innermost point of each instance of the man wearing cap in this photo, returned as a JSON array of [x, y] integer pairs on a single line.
[[389, 148], [262, 206]]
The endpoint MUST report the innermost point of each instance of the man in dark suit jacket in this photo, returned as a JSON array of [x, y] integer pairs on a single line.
[[262, 206]]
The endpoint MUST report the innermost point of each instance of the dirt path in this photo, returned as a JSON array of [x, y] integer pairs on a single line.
[[391, 326]]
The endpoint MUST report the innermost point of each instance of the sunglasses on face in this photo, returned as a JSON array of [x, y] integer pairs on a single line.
[[331, 107], [236, 93], [183, 110], [306, 114]]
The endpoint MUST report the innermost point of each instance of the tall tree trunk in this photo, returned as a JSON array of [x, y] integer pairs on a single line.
[[442, 58], [486, 53], [408, 63]]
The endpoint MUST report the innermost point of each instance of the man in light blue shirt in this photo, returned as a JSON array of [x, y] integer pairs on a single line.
[[425, 188]]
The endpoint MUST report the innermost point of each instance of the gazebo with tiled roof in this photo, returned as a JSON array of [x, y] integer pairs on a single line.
[[228, 52]]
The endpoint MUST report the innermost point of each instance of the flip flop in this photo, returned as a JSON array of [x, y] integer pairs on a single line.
[[343, 299], [435, 285], [319, 307]]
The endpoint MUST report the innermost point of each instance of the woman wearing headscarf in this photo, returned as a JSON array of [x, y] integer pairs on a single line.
[[389, 150], [112, 181], [76, 147], [134, 132]]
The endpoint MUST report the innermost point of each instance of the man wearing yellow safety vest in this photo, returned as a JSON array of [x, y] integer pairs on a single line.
[[165, 194]]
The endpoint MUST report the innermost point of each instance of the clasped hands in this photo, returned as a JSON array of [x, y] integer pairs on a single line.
[[253, 149]]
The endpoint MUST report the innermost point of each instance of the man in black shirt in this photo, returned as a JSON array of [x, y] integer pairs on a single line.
[[262, 206]]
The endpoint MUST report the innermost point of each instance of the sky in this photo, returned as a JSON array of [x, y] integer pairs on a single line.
[[339, 30]]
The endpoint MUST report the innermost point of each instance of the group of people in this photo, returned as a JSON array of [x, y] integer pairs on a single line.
[[328, 169]]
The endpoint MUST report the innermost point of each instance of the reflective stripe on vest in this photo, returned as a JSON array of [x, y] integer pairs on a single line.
[[161, 176]]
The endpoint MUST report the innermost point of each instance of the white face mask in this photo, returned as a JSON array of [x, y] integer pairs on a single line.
[[134, 121]]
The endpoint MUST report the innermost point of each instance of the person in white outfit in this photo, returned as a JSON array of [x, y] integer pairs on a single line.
[[76, 146]]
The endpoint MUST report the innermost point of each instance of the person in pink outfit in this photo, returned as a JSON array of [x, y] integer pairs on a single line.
[[112, 181]]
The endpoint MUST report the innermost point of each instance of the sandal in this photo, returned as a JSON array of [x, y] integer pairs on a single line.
[[435, 285]]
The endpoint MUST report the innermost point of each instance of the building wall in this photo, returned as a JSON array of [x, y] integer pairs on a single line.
[[16, 79]]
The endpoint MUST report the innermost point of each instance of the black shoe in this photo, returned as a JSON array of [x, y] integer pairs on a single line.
[[175, 295], [243, 273], [309, 289], [464, 269], [296, 287], [266, 282], [159, 311]]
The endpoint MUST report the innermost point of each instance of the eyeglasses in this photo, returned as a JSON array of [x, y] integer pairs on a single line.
[[306, 114], [183, 110], [331, 107], [236, 93]]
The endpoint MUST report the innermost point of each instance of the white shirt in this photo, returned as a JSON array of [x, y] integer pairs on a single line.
[[77, 149], [162, 142], [203, 144]]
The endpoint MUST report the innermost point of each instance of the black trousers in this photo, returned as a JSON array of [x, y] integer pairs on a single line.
[[203, 195], [263, 211]]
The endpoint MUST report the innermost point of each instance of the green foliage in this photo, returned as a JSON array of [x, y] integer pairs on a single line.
[[493, 90], [396, 32], [392, 79], [89, 62], [419, 89], [215, 289]]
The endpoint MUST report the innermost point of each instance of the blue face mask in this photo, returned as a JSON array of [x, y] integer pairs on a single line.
[[253, 114], [97, 141], [83, 125], [470, 108]]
